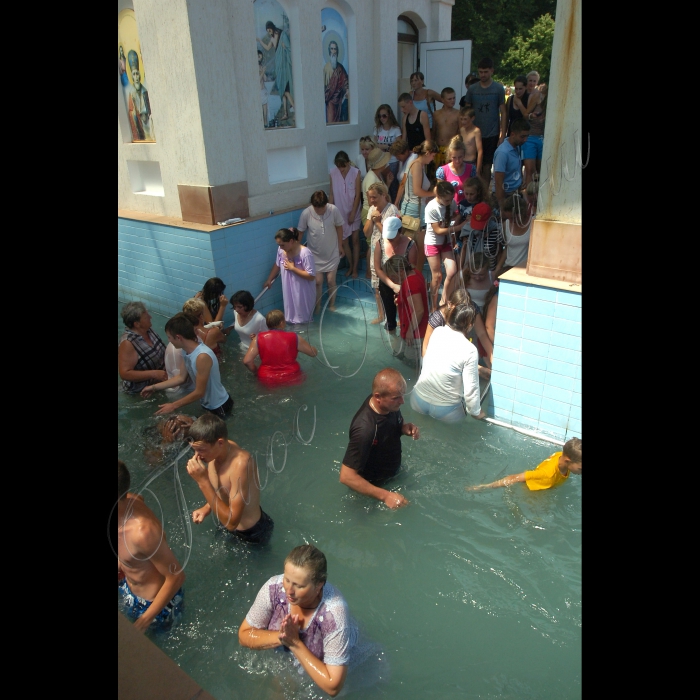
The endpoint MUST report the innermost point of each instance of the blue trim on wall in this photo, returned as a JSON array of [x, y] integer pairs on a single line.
[[536, 376], [163, 265]]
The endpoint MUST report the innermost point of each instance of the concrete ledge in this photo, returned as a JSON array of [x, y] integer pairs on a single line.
[[144, 672], [179, 223], [520, 274]]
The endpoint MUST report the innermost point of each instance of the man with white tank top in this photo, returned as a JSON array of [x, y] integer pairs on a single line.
[[202, 366]]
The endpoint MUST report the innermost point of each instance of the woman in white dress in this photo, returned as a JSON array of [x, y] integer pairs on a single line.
[[325, 240], [247, 321]]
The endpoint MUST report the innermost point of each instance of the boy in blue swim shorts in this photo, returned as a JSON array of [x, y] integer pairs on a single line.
[[150, 577]]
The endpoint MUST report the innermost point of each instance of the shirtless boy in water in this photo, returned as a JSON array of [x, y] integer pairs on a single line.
[[445, 124], [150, 577], [471, 135], [225, 474]]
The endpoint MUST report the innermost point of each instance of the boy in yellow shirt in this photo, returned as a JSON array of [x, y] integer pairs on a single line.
[[552, 472]]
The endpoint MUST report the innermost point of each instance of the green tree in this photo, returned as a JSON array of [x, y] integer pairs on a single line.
[[530, 52], [493, 25]]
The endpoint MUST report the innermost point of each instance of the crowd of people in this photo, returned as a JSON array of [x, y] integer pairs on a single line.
[[422, 189]]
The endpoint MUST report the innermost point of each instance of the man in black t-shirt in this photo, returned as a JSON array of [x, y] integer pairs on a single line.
[[374, 450]]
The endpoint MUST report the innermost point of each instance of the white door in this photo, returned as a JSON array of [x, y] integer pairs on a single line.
[[446, 64], [407, 66]]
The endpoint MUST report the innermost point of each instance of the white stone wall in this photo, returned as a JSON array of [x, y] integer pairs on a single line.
[[201, 74]]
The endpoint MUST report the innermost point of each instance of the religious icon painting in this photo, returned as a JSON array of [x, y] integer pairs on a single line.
[[335, 75], [274, 53], [132, 76]]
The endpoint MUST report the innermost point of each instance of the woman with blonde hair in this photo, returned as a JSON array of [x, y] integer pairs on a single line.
[[381, 208], [456, 171], [212, 336], [367, 143]]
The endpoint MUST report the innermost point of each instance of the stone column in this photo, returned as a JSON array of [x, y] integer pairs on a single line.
[[555, 242]]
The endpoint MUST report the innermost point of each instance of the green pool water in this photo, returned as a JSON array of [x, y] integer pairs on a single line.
[[468, 595]]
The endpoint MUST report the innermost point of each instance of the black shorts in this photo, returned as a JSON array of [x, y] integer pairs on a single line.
[[223, 410], [260, 533], [488, 146]]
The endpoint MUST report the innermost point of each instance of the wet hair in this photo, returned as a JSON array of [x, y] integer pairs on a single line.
[[399, 147], [446, 91], [456, 144], [341, 159], [476, 262], [208, 428], [391, 121], [519, 125], [385, 379], [396, 264], [467, 112], [368, 139], [478, 184], [244, 298], [485, 63], [124, 480], [572, 449], [461, 317], [132, 312], [287, 234], [180, 324], [405, 97], [521, 79], [211, 291], [274, 318], [379, 188], [445, 189], [194, 307], [319, 199], [426, 147], [310, 558], [417, 74]]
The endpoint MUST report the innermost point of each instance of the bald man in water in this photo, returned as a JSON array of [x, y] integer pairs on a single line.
[[374, 451]]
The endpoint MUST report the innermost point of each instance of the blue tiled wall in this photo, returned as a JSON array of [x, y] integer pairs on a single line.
[[536, 379], [163, 266]]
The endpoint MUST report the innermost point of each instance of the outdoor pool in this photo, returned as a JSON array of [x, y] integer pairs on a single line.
[[468, 595]]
